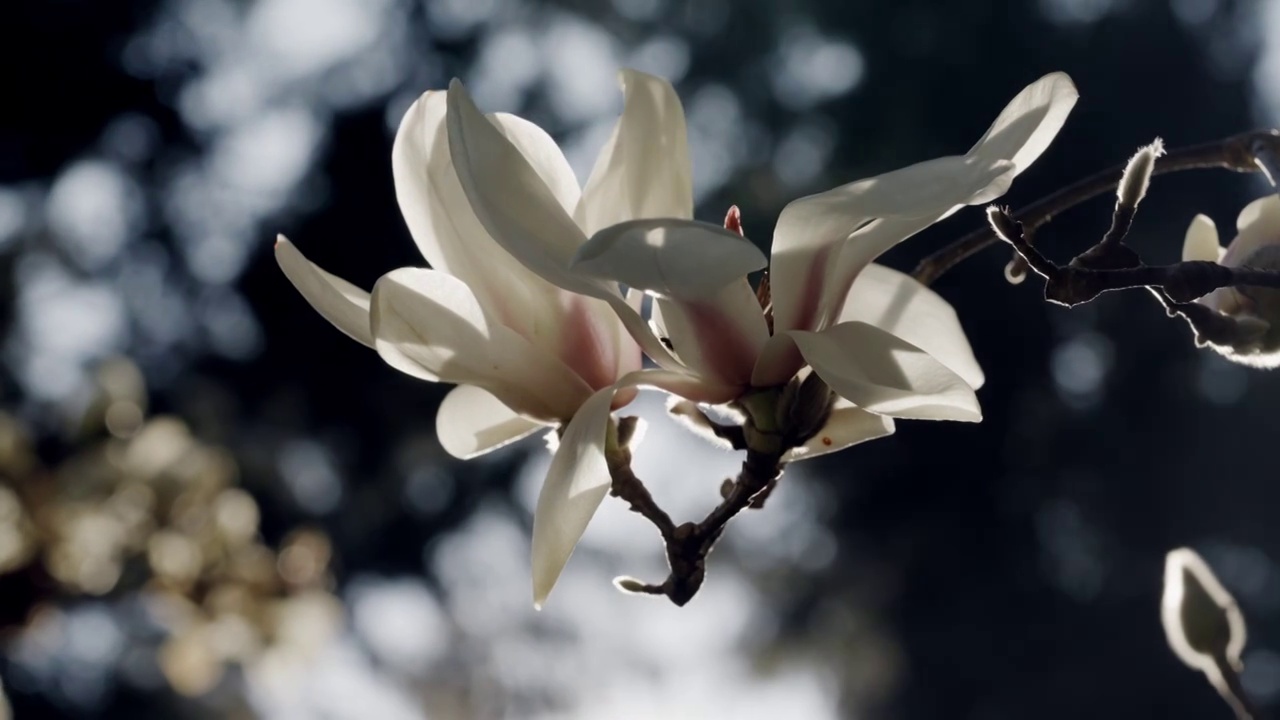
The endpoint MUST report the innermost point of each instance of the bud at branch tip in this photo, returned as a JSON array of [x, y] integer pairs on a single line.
[[1137, 174]]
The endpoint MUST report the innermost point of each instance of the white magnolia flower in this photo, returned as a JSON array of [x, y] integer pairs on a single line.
[[524, 352], [886, 345], [1257, 310]]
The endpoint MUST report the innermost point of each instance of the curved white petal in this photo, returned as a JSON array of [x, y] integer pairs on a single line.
[[897, 303], [1030, 121], [578, 480], [447, 231], [669, 257], [1257, 226], [719, 337], [778, 362], [884, 374], [822, 241], [338, 301], [643, 171], [1201, 241], [847, 426], [523, 215], [576, 483], [472, 422], [509, 197], [428, 324]]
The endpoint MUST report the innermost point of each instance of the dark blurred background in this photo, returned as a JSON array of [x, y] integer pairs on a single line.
[[214, 505]]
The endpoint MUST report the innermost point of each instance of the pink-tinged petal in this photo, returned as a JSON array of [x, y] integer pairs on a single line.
[[1257, 226], [897, 303], [472, 422], [338, 301], [643, 171], [885, 374], [822, 240], [718, 337], [429, 324], [511, 200], [669, 257], [779, 361], [833, 235], [523, 215], [1201, 241], [447, 231], [847, 426]]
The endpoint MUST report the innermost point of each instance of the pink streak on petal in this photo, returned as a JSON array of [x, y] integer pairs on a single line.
[[584, 346], [807, 312], [726, 352]]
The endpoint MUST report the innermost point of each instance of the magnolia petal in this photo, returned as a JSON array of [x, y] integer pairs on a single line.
[[472, 422], [1201, 241], [885, 374], [576, 483], [644, 170], [508, 196], [806, 280], [429, 324], [847, 426], [899, 304], [447, 231], [669, 257], [1030, 121], [778, 362], [522, 214], [1257, 226], [719, 337], [578, 479], [338, 301]]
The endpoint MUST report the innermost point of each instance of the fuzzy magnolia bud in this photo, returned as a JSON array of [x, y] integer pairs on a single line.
[[1204, 626], [1137, 174], [631, 585], [1201, 620]]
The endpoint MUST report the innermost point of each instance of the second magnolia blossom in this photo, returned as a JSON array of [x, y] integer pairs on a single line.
[[1256, 310]]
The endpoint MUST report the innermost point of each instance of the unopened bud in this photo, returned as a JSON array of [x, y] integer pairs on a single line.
[[1137, 174], [1003, 223], [1201, 620], [632, 586]]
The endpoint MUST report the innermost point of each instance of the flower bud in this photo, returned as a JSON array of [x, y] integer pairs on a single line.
[[631, 586], [1137, 174], [1201, 620]]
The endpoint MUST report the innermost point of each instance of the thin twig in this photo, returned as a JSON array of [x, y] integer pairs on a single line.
[[1070, 286], [689, 544], [1236, 153]]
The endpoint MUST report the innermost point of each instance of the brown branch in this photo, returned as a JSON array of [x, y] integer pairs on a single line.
[[689, 544], [1073, 285], [1247, 152]]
